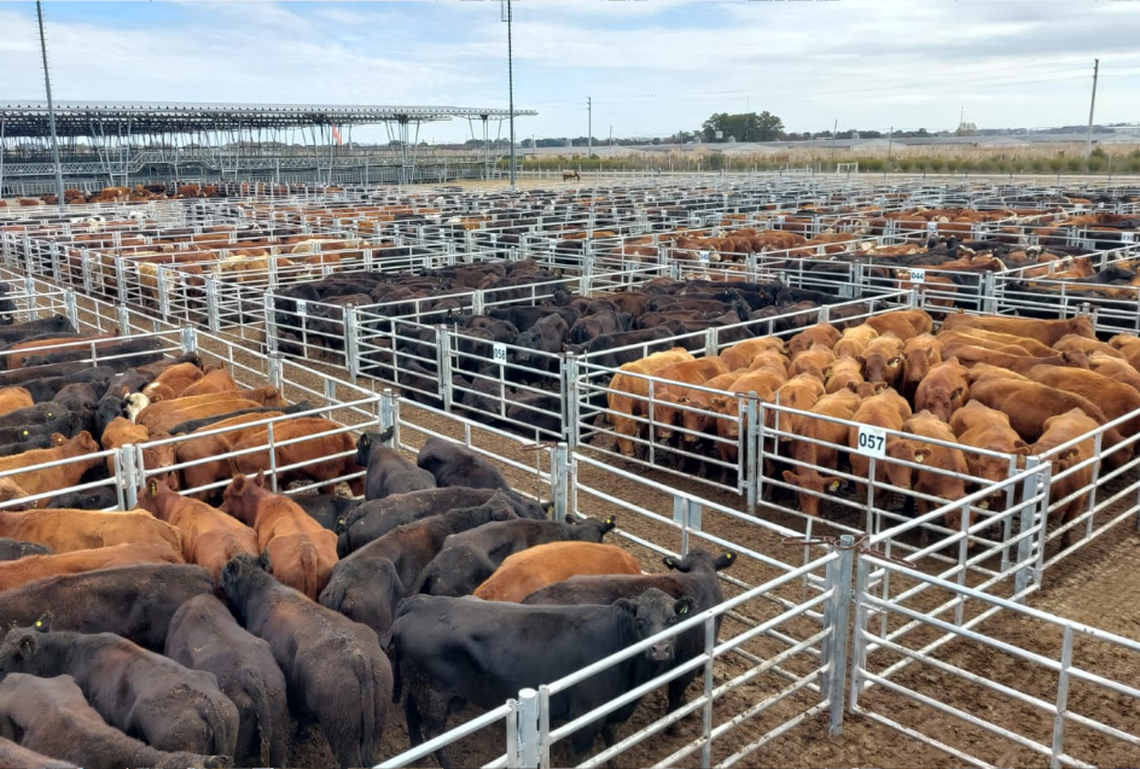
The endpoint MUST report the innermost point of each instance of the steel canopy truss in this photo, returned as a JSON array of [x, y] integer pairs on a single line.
[[227, 138]]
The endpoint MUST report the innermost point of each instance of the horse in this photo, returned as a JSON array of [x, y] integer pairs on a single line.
[[571, 174]]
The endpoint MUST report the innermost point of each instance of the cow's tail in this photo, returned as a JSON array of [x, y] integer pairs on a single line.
[[255, 689], [310, 570]]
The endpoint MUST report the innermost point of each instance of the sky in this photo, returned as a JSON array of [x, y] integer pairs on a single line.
[[651, 67]]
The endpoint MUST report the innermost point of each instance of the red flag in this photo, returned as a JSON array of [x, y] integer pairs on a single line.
[[336, 135]]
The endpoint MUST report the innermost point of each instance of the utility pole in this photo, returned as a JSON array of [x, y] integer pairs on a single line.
[[589, 128], [511, 91], [1092, 106], [51, 109], [890, 142]]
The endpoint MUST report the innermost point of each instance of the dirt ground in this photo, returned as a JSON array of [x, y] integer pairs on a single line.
[[1096, 586]]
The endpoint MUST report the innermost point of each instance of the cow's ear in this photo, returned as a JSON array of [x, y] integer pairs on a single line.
[[725, 560], [549, 508], [670, 562], [625, 604], [684, 606], [260, 480], [237, 486], [152, 488], [919, 457], [570, 520], [28, 644], [609, 522], [43, 624], [364, 441], [263, 561]]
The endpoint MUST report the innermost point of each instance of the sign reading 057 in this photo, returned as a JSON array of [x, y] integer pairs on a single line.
[[872, 441]]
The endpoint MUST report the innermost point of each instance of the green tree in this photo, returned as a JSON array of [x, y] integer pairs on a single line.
[[744, 127]]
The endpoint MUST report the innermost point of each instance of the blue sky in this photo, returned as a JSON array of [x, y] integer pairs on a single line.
[[651, 66]]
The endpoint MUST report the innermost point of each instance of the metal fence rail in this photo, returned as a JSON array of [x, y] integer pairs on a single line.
[[1057, 698]]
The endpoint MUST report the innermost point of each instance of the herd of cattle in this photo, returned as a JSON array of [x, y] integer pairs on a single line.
[[1014, 386], [187, 634]]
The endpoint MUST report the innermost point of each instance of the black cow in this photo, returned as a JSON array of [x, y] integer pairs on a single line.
[[470, 557], [135, 602], [143, 693], [599, 323], [67, 422], [368, 595], [120, 356], [12, 754], [98, 498], [456, 650], [52, 715], [31, 441], [203, 635], [14, 549], [37, 414], [53, 324], [326, 509], [109, 408], [197, 424], [77, 396], [453, 464], [335, 670], [547, 338], [697, 580], [48, 388], [388, 470], [372, 520]]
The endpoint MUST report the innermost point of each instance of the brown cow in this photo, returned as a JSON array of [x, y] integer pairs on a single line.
[[217, 380], [1072, 470], [823, 334], [818, 456], [12, 398], [1044, 331], [993, 340], [1086, 345], [1118, 369], [169, 384], [628, 394], [55, 478], [944, 389], [920, 353], [32, 567], [528, 570], [845, 373], [122, 432], [741, 354], [65, 529], [948, 483], [206, 452], [977, 425], [882, 360], [697, 419], [887, 410], [301, 552], [970, 355], [669, 392], [1115, 399], [902, 323], [1030, 403], [854, 340], [162, 416], [314, 460], [209, 536], [814, 362]]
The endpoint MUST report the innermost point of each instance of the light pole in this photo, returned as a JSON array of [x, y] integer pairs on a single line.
[[51, 109], [511, 89]]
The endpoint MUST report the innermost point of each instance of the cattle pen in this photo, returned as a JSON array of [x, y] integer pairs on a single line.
[[980, 644]]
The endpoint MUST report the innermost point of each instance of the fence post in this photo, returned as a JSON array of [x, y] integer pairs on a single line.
[[709, 682], [570, 405], [162, 280], [443, 364], [128, 465], [212, 304], [390, 416], [836, 614], [1030, 516], [711, 338], [270, 322], [527, 733], [858, 629], [274, 371], [72, 308], [560, 481], [477, 302], [351, 353], [121, 278], [189, 339], [752, 447], [124, 317]]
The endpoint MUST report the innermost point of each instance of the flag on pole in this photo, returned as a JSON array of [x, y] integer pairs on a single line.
[[336, 134]]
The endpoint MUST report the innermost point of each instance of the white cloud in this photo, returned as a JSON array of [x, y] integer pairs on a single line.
[[651, 66]]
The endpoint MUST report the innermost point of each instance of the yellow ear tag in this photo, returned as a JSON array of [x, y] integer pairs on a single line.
[[39, 624]]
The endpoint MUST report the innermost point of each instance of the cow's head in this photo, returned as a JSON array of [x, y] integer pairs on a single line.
[[814, 486], [653, 612]]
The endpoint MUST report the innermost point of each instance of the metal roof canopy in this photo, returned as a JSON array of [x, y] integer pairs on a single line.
[[77, 119]]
